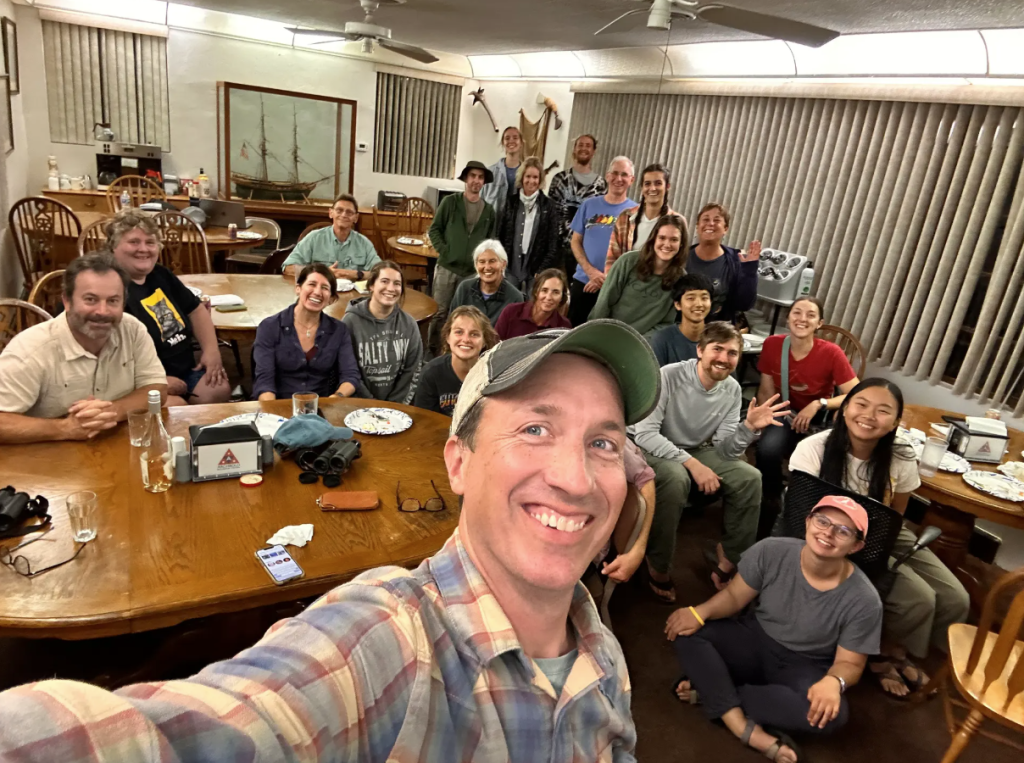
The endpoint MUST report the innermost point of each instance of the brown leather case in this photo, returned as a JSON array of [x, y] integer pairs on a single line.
[[348, 500]]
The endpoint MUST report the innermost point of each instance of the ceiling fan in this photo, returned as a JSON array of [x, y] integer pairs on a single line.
[[662, 12], [369, 33]]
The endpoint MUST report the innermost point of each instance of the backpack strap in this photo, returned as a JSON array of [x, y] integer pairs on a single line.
[[784, 372]]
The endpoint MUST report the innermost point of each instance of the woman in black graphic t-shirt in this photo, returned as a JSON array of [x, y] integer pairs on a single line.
[[466, 335], [172, 314]]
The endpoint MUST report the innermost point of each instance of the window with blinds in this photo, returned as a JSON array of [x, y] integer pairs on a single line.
[[913, 213], [417, 128], [101, 75]]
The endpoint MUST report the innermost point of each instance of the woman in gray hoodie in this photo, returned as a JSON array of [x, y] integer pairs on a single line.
[[386, 338]]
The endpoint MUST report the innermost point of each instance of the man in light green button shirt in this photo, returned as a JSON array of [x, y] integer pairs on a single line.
[[346, 252]]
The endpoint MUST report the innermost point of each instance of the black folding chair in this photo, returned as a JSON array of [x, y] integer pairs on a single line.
[[884, 523]]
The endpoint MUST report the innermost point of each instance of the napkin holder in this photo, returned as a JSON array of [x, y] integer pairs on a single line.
[[988, 447], [223, 451]]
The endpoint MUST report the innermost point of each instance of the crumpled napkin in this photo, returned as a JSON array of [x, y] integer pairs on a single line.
[[223, 300], [292, 535]]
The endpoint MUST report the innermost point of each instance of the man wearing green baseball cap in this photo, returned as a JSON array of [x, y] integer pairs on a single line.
[[491, 650]]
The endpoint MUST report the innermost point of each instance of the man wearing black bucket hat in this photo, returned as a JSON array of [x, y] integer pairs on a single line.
[[491, 650], [461, 222]]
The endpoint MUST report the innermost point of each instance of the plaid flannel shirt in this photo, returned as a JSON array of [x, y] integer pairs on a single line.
[[394, 666], [568, 193], [622, 235]]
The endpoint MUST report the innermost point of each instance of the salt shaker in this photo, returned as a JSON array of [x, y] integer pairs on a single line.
[[268, 451], [182, 464]]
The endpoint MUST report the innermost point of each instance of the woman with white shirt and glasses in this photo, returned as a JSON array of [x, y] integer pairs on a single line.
[[497, 192], [528, 229]]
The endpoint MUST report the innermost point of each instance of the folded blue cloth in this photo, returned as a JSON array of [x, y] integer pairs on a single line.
[[307, 432]]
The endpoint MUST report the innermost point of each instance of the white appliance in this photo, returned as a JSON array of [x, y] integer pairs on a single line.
[[778, 274]]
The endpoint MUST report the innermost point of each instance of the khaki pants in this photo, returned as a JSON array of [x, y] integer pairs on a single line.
[[741, 493], [925, 600]]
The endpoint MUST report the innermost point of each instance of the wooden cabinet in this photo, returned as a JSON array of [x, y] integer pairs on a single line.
[[96, 201]]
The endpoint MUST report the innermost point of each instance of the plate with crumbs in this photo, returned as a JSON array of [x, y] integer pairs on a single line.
[[378, 421], [998, 485]]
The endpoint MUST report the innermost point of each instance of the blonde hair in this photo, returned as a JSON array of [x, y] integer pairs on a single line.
[[491, 337], [530, 161], [126, 221]]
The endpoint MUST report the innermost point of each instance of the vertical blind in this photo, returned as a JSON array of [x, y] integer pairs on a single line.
[[899, 205], [101, 75], [417, 128]]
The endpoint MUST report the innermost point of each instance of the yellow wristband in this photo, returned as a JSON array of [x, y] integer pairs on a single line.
[[699, 618]]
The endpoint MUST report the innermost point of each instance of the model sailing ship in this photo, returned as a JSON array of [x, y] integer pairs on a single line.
[[261, 186]]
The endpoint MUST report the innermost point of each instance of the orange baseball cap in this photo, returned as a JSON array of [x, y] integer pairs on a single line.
[[849, 507]]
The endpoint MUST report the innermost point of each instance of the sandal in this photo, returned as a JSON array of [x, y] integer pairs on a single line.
[[694, 697], [711, 557], [914, 684], [772, 751], [892, 675], [663, 592]]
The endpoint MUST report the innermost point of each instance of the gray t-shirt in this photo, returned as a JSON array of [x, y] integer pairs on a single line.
[[473, 211], [587, 179], [802, 618], [557, 669]]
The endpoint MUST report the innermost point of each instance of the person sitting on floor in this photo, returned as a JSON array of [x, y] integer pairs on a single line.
[[466, 335], [302, 350], [78, 375], [387, 340], [638, 287], [173, 315], [694, 436], [488, 291], [861, 454], [732, 272], [691, 296], [347, 252], [545, 310], [817, 368], [784, 666]]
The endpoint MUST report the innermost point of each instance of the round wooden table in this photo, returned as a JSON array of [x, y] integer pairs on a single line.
[[955, 505], [162, 559], [266, 295], [424, 250]]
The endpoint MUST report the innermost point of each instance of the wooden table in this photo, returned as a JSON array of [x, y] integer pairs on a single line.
[[266, 295], [159, 560], [955, 504], [423, 255], [217, 238]]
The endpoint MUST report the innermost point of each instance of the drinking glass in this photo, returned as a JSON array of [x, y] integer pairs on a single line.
[[305, 403], [137, 422], [82, 515], [931, 457]]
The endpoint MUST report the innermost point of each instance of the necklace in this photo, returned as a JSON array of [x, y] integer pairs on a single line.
[[309, 329]]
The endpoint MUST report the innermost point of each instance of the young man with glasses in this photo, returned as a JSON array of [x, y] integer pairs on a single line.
[[348, 253], [784, 665]]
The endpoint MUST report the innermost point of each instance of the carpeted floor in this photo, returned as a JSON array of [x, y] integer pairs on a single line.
[[880, 730]]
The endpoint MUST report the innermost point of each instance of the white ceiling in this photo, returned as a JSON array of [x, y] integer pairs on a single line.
[[473, 27]]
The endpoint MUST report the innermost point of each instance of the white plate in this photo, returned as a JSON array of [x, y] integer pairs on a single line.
[[266, 423], [249, 235], [951, 462], [410, 240], [1013, 469], [345, 285], [999, 485], [378, 421]]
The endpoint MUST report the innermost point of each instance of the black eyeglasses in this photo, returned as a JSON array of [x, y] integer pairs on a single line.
[[23, 566], [842, 531], [410, 505]]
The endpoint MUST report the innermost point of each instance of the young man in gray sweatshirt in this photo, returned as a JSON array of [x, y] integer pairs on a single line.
[[694, 436]]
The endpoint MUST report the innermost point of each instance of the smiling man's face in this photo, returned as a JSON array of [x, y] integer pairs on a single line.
[[544, 484]]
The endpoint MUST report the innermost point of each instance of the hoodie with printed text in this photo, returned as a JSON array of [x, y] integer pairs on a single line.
[[389, 352]]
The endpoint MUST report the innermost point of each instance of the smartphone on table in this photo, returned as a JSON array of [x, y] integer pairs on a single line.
[[279, 564]]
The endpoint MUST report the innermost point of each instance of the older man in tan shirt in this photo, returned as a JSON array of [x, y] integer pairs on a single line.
[[78, 375]]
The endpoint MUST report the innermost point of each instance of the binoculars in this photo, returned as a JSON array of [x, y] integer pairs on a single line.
[[335, 458], [16, 507]]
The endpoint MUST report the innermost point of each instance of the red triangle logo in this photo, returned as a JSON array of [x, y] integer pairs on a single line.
[[229, 459], [985, 447]]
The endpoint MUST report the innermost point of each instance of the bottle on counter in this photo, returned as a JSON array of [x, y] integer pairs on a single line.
[[126, 200], [156, 456], [806, 281], [204, 184]]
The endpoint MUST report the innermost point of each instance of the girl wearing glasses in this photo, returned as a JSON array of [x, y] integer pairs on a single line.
[[861, 454]]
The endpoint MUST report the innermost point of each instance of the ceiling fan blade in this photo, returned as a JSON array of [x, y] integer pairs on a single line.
[[767, 26], [317, 32], [627, 22], [410, 51]]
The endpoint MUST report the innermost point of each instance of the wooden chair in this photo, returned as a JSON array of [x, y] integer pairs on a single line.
[[988, 669], [849, 344], [414, 270], [183, 249], [251, 259], [315, 226], [92, 238], [45, 234], [140, 189], [272, 264], [16, 315], [418, 215], [48, 291]]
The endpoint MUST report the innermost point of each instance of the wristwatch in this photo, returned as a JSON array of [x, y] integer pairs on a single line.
[[842, 683], [359, 275], [823, 401]]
